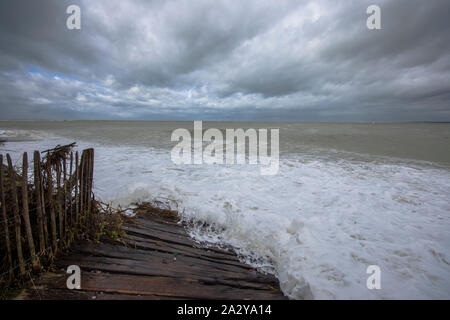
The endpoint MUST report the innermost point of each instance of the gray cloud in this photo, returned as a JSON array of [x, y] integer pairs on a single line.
[[232, 60]]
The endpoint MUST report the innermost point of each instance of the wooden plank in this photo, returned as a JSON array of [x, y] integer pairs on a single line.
[[5, 218], [169, 287], [212, 252], [145, 244], [40, 205], [108, 250], [158, 235], [181, 288], [120, 266], [25, 211], [132, 261], [65, 294], [15, 206], [153, 224], [52, 286]]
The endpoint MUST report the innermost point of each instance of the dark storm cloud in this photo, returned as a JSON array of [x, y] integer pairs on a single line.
[[230, 60]]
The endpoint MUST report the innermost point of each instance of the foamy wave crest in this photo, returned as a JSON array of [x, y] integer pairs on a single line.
[[317, 225]]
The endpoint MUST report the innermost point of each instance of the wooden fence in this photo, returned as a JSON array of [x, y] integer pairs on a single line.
[[43, 215]]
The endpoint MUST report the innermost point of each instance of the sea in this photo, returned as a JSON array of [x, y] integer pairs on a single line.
[[346, 196]]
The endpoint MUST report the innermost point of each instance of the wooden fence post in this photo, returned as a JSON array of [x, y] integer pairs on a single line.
[[5, 219], [70, 198], [44, 208], [25, 210], [89, 182], [15, 203], [64, 197], [91, 178], [59, 201], [71, 188], [50, 201], [40, 205], [77, 181], [82, 187]]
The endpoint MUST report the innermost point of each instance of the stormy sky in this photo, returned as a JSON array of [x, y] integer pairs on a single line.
[[312, 60]]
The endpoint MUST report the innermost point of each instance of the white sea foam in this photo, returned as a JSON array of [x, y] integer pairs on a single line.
[[317, 224]]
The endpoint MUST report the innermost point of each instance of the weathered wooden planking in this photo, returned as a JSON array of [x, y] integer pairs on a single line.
[[165, 264], [158, 261], [152, 233], [185, 288], [177, 229], [165, 268], [158, 245]]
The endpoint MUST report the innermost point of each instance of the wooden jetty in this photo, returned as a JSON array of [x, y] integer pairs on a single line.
[[157, 261]]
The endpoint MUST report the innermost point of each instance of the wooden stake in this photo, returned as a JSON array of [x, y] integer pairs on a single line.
[[82, 188], [70, 189], [77, 180], [44, 208], [89, 181], [91, 178], [40, 205], [5, 219], [15, 204], [51, 206], [70, 197], [25, 210], [64, 197], [59, 201]]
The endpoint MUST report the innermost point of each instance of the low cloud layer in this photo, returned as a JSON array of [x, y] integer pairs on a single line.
[[225, 60]]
